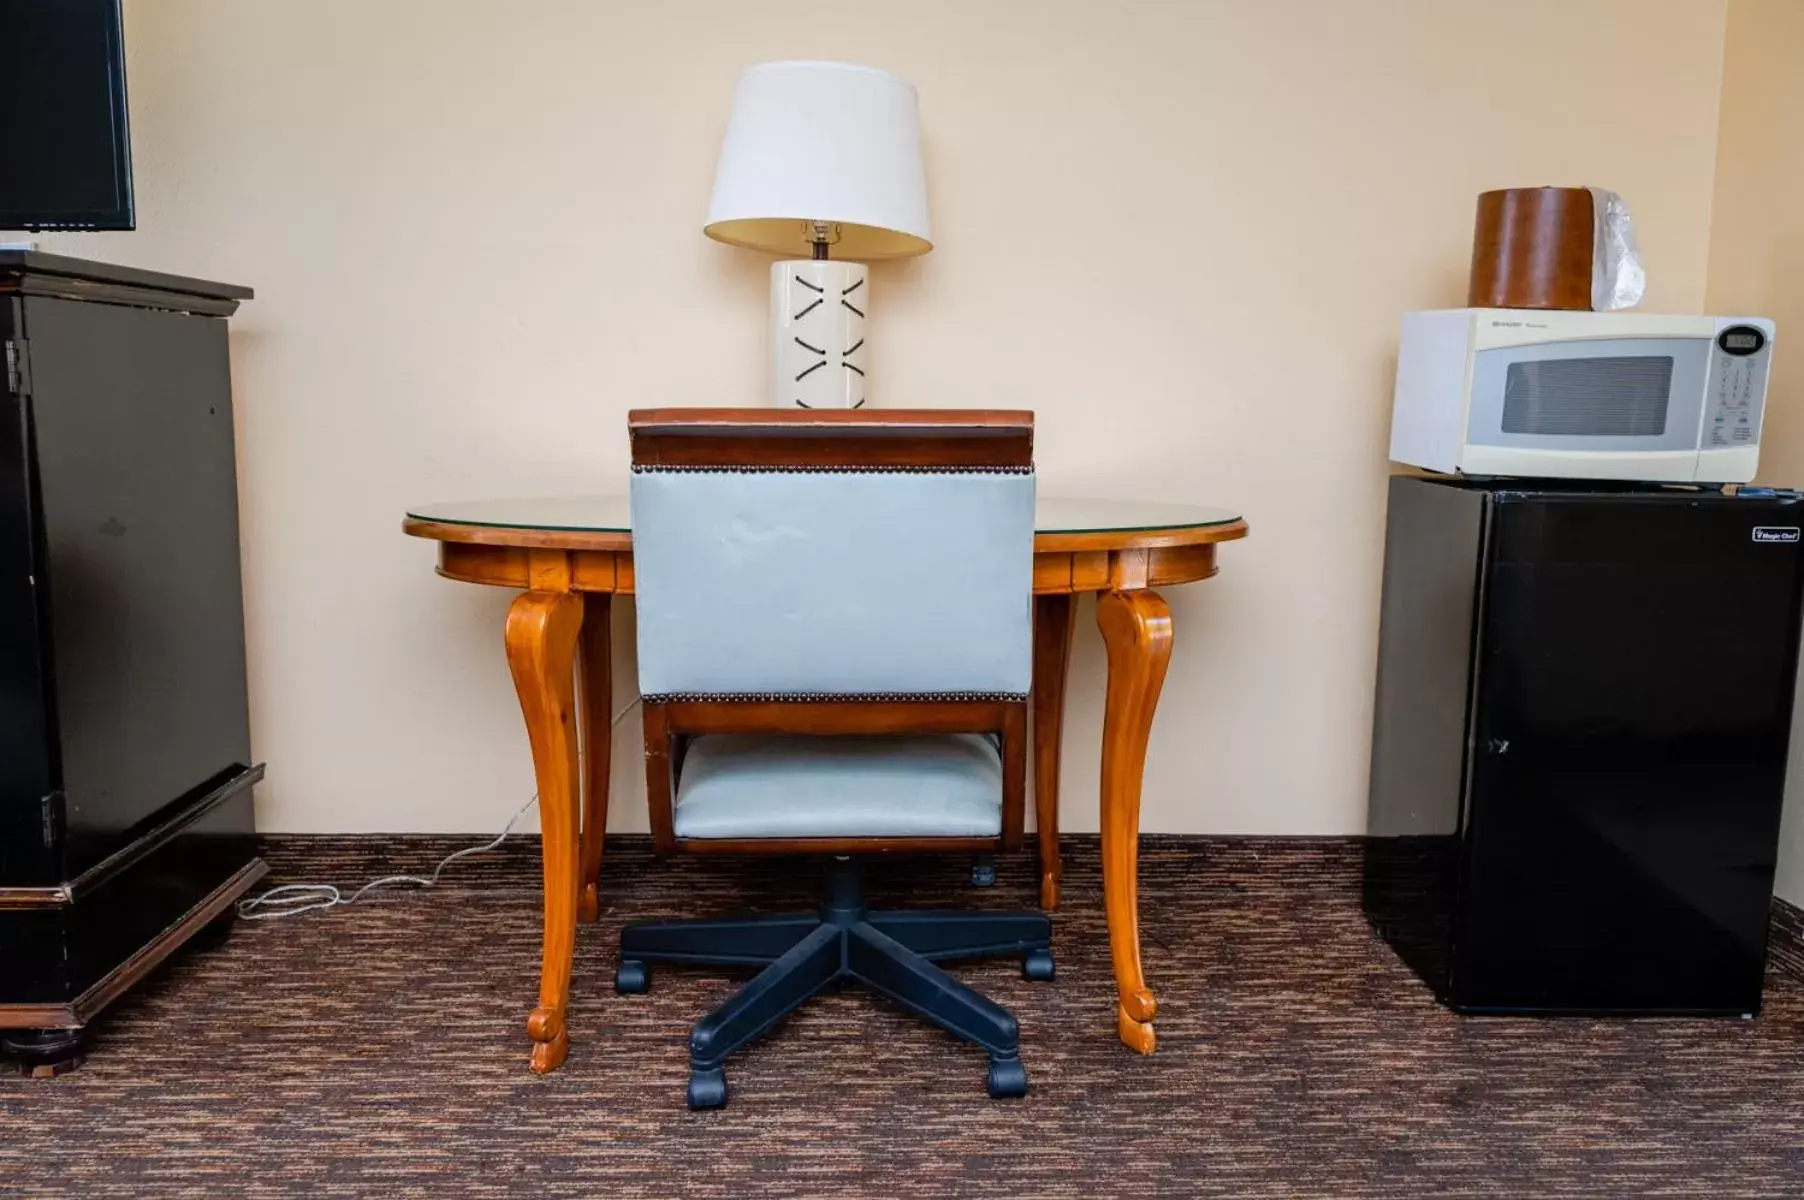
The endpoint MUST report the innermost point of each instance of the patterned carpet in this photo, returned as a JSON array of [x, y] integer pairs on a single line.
[[378, 1051]]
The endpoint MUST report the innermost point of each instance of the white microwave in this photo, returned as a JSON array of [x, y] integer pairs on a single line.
[[1581, 395]]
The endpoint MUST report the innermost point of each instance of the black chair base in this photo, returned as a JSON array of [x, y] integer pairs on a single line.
[[891, 953]]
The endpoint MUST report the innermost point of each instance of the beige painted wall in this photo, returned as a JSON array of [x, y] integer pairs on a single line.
[[1757, 266], [1182, 232]]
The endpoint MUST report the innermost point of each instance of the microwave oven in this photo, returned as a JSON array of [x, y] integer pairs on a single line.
[[1581, 395]]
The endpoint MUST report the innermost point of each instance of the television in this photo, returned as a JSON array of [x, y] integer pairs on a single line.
[[65, 154]]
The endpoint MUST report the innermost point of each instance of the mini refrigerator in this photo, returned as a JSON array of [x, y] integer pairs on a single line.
[[1583, 707]]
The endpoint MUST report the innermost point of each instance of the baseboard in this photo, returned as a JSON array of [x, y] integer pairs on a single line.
[[1313, 861]]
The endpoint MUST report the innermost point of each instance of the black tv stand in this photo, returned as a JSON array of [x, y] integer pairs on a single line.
[[125, 763]]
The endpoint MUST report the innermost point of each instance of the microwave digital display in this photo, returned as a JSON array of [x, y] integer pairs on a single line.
[[1741, 340]]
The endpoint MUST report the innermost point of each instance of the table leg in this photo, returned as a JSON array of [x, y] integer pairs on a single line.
[[1055, 616], [597, 741], [1136, 629], [542, 629]]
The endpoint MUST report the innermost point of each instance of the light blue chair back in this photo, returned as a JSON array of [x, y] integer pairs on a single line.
[[870, 581]]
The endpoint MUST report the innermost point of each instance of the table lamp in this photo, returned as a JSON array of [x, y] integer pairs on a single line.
[[821, 160]]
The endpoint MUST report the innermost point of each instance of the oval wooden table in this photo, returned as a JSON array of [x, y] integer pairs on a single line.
[[570, 555]]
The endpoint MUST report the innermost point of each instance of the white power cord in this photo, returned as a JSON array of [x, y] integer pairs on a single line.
[[293, 899]]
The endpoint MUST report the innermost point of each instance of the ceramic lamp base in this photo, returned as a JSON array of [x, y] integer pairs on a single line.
[[817, 319]]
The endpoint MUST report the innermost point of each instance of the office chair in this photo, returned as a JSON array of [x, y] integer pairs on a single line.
[[835, 652]]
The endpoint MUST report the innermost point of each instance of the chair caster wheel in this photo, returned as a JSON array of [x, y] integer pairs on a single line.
[[1007, 1078], [983, 872], [631, 979], [1038, 966], [708, 1088]]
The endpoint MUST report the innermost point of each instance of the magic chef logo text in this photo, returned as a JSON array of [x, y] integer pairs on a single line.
[[1775, 533]]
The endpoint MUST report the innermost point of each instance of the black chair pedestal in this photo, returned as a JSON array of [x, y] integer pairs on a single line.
[[892, 953]]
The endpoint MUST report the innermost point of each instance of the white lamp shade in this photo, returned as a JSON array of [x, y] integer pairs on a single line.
[[819, 141]]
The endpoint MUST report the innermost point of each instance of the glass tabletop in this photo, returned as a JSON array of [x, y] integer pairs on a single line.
[[608, 514]]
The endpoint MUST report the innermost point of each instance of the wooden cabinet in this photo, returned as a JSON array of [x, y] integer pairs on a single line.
[[125, 762]]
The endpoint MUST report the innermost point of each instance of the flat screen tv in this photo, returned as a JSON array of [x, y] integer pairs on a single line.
[[65, 155]]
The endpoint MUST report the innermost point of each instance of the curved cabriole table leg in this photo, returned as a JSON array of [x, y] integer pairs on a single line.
[[1136, 629], [542, 629]]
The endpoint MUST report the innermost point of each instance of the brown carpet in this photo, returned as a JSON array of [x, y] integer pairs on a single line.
[[378, 1051]]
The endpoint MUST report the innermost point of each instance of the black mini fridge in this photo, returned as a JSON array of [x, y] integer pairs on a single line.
[[1583, 706]]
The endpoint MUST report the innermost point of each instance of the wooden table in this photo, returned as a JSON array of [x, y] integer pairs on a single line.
[[572, 555]]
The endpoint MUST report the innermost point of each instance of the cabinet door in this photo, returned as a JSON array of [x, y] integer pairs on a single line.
[[133, 416], [1637, 663]]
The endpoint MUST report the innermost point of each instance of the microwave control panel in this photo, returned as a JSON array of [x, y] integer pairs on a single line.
[[1737, 387]]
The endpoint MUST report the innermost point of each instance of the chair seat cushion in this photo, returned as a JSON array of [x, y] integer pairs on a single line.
[[792, 786]]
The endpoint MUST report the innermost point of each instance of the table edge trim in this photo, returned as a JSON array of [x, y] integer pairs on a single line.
[[537, 537]]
